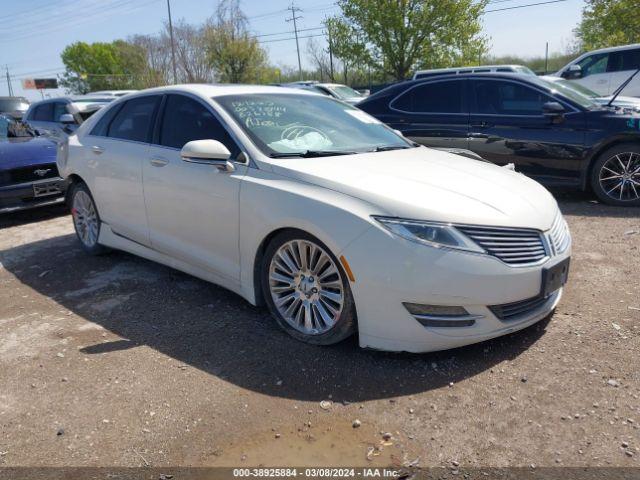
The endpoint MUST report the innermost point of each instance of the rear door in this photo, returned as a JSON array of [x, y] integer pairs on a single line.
[[507, 125], [434, 113], [118, 145], [622, 64]]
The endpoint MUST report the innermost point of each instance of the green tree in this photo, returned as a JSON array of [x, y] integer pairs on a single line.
[[607, 23], [396, 37], [102, 66], [234, 54]]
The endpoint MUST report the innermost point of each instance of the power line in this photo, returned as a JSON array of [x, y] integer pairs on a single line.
[[524, 6], [293, 38]]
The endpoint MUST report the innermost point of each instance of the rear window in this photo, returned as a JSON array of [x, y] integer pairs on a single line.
[[435, 97]]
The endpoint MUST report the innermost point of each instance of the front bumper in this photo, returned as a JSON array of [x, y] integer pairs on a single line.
[[27, 195], [390, 271]]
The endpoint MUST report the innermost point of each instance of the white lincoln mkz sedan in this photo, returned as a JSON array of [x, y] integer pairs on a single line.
[[310, 206]]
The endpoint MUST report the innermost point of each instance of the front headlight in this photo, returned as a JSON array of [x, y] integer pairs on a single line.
[[434, 234]]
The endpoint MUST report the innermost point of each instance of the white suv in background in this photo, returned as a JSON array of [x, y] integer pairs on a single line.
[[603, 71]]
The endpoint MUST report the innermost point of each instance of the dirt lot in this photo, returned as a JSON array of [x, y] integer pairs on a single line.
[[115, 361]]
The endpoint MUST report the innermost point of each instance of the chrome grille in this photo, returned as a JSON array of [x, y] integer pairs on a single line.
[[559, 237], [514, 246]]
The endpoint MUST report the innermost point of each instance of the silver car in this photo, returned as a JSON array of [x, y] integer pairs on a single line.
[[60, 116]]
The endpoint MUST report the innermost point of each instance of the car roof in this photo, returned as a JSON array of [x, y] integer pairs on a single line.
[[613, 49], [470, 67], [219, 90]]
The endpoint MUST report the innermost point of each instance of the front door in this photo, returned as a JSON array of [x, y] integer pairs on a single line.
[[507, 125], [192, 208], [434, 114]]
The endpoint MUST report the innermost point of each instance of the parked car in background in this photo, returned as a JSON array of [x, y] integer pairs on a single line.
[[315, 208], [28, 173], [620, 101], [16, 107], [479, 69], [111, 93], [548, 131], [60, 116], [603, 71], [335, 90]]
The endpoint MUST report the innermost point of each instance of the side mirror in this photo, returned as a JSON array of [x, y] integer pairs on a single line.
[[574, 71], [553, 110], [209, 152], [67, 119]]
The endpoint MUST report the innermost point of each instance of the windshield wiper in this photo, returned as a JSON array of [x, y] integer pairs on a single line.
[[386, 148], [311, 153]]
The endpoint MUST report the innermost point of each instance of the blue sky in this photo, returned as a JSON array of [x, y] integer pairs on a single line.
[[35, 32]]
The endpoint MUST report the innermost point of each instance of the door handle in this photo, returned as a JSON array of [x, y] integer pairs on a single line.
[[97, 150], [158, 161]]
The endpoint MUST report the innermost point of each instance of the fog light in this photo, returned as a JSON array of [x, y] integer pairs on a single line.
[[441, 315]]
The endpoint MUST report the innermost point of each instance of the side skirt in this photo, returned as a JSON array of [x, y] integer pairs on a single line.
[[110, 239]]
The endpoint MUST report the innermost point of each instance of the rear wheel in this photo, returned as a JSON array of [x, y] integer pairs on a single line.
[[307, 290], [615, 177], [86, 220]]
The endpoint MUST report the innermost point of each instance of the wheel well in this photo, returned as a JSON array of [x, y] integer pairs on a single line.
[[73, 180], [595, 155], [257, 287]]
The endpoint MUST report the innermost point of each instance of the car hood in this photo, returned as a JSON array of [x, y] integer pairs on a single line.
[[620, 101], [25, 152], [425, 184]]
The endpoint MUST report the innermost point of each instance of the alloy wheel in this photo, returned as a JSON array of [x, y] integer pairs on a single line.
[[620, 177], [306, 287], [85, 218]]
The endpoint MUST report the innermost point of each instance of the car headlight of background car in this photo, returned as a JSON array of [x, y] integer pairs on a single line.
[[438, 235]]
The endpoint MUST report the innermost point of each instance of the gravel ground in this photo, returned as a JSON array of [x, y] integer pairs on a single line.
[[116, 361]]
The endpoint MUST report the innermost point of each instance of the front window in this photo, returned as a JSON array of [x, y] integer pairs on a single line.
[[570, 91], [299, 125]]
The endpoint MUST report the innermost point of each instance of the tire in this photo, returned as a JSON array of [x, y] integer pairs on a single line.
[[317, 310], [615, 176], [86, 219]]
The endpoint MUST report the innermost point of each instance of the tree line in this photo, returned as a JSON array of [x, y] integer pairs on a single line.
[[368, 42]]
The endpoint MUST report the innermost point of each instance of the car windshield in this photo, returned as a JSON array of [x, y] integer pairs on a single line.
[[524, 70], [13, 104], [342, 91], [572, 94], [579, 88], [308, 125], [10, 128]]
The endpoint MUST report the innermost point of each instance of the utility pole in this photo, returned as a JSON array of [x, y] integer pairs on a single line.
[[293, 19], [173, 47], [330, 54], [546, 59], [9, 82]]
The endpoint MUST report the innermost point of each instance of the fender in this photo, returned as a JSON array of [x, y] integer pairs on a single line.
[[592, 154]]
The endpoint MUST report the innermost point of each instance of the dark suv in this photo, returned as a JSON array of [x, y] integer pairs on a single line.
[[550, 132]]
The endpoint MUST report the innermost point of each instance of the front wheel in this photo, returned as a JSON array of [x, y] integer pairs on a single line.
[[615, 177], [86, 220], [307, 290]]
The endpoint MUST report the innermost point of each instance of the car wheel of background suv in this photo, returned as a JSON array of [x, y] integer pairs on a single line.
[[307, 290], [86, 219], [615, 176]]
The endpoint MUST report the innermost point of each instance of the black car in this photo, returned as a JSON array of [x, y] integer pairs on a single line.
[[549, 132]]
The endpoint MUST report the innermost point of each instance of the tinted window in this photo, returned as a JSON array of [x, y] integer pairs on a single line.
[[508, 98], [59, 108], [624, 60], [100, 129], [437, 97], [426, 75], [133, 121], [594, 64], [185, 119], [43, 113]]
